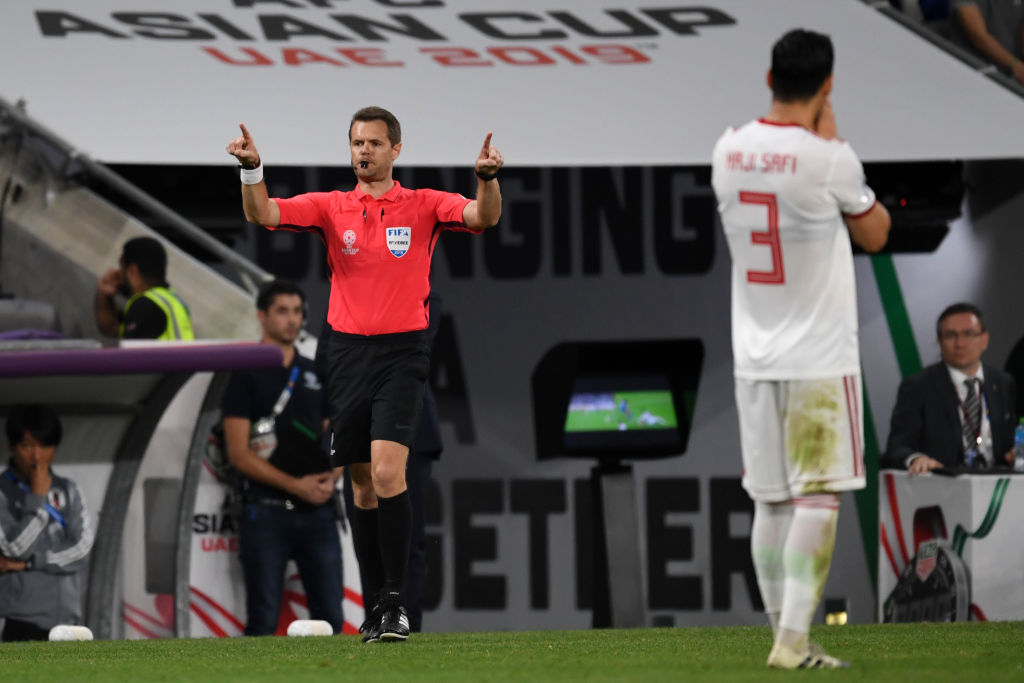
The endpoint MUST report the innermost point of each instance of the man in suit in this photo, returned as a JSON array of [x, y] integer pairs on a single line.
[[958, 412]]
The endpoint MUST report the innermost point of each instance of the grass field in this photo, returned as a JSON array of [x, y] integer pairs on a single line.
[[655, 404], [903, 652]]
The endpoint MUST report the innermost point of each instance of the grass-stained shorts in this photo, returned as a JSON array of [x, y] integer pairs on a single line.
[[800, 437]]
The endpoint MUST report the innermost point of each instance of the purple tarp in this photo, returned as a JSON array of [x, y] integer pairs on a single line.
[[171, 358]]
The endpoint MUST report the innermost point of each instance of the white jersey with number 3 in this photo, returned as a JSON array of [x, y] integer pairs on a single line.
[[782, 192]]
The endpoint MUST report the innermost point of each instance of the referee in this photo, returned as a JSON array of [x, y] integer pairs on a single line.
[[379, 239]]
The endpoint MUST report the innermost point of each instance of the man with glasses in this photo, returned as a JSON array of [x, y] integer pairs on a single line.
[[958, 412]]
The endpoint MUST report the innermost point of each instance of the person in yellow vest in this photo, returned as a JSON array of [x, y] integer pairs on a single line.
[[153, 310]]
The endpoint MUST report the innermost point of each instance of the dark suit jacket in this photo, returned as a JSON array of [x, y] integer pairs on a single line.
[[926, 418]]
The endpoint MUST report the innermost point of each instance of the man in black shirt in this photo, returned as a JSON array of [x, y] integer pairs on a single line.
[[273, 423]]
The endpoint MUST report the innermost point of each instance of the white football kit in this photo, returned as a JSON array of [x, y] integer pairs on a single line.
[[782, 194]]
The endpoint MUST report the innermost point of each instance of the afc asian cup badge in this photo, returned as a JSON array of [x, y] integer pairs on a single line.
[[399, 240], [350, 239]]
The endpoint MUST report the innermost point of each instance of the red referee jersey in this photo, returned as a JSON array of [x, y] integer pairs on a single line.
[[378, 251]]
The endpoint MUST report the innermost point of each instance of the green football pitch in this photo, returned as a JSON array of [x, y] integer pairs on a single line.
[[879, 652], [644, 410]]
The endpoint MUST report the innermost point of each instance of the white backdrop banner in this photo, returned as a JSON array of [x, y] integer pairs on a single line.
[[581, 83]]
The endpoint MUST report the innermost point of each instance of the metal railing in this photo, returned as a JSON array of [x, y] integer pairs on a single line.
[[249, 274]]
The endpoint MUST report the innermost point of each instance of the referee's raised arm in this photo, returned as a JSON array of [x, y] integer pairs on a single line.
[[485, 210], [258, 206]]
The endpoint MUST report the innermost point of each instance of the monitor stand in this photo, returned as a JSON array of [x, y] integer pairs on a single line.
[[618, 588]]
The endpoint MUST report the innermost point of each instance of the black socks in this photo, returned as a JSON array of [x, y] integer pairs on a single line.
[[365, 538], [395, 533]]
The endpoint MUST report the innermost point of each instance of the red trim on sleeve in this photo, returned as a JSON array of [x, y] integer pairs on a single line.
[[862, 213]]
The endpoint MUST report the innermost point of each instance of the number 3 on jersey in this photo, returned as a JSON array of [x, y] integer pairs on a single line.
[[769, 238]]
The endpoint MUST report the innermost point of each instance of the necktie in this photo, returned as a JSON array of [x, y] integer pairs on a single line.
[[972, 414]]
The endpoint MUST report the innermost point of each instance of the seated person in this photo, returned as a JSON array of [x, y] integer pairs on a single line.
[[931, 13], [991, 30], [958, 412], [45, 531]]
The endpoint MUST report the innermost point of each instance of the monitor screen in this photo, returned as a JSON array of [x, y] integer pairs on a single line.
[[621, 412]]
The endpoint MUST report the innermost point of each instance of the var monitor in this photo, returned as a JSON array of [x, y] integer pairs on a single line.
[[616, 400]]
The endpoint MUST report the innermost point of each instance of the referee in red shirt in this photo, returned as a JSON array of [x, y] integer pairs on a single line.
[[379, 238]]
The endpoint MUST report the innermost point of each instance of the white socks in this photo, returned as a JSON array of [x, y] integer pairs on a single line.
[[767, 539], [792, 546]]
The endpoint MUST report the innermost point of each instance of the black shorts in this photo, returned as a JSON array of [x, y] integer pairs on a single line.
[[375, 390]]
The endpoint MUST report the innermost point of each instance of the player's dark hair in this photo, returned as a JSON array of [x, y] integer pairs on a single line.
[[148, 255], [275, 288], [378, 114], [959, 307], [801, 61], [38, 420]]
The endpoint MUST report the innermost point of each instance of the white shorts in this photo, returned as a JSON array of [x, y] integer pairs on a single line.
[[800, 437]]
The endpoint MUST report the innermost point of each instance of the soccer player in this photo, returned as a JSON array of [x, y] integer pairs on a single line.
[[791, 196], [379, 238]]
